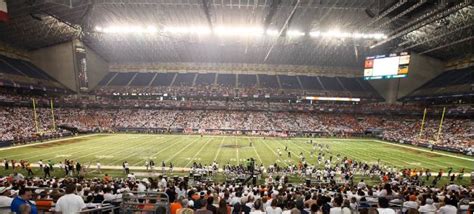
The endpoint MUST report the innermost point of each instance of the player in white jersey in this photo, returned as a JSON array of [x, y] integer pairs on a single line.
[[98, 168]]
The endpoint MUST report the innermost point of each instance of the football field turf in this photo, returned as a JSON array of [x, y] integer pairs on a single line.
[[183, 150]]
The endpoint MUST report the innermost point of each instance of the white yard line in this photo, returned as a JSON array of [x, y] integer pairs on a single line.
[[197, 153], [219, 149], [161, 150], [276, 155], [47, 142], [423, 150], [178, 152], [237, 148], [142, 144], [77, 149], [258, 156]]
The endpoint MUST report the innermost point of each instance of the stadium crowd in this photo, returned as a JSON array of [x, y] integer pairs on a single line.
[[404, 192], [393, 122], [18, 123]]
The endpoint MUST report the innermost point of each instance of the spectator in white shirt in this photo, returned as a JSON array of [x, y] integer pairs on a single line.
[[384, 207], [5, 200], [450, 206], [410, 203], [361, 184], [337, 207], [108, 196], [70, 202], [273, 209], [428, 208]]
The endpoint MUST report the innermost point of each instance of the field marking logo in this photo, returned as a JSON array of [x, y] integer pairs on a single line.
[[63, 156], [414, 163], [104, 156], [148, 158], [193, 159]]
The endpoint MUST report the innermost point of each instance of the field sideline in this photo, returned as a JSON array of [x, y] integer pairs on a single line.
[[182, 150]]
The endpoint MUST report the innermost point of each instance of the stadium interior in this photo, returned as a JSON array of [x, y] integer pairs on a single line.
[[245, 106]]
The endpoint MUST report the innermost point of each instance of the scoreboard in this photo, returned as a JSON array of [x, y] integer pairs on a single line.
[[386, 66]]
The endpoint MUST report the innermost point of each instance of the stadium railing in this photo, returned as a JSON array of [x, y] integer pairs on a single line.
[[149, 202]]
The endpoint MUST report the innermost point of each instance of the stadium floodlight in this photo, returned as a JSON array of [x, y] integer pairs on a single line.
[[379, 36], [126, 29], [358, 35], [336, 34], [272, 32], [201, 30], [314, 33], [151, 29], [355, 35], [238, 31], [295, 33], [225, 31]]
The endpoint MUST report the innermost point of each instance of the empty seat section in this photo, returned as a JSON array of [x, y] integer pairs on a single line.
[[350, 84], [163, 79], [122, 79], [467, 78], [247, 80], [184, 79], [142, 79], [205, 79], [6, 68], [331, 83], [310, 83], [226, 80], [24, 68], [289, 82], [445, 82], [106, 78], [365, 85], [268, 81], [444, 79]]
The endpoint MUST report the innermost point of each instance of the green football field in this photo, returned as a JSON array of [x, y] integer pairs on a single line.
[[183, 150]]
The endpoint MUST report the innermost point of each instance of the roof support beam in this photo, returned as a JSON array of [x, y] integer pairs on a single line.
[[448, 45], [206, 7], [413, 7], [422, 21], [283, 28], [388, 11], [437, 37], [268, 18]]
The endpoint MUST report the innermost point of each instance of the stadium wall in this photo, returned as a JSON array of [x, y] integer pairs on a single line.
[[97, 67], [57, 61], [422, 70]]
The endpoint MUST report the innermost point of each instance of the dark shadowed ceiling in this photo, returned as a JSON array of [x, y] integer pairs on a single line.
[[442, 29]]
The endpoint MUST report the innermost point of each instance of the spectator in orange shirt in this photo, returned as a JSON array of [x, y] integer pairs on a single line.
[[107, 178], [176, 205]]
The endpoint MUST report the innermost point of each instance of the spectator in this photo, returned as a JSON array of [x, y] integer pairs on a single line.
[[22, 204], [70, 202], [449, 207], [5, 199], [384, 206]]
